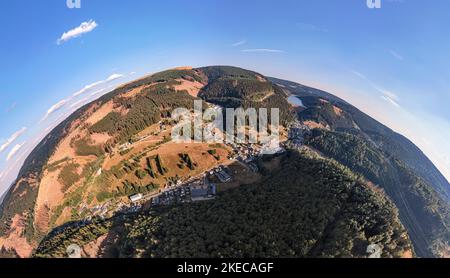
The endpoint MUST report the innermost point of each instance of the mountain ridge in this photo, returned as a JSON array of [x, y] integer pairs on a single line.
[[436, 175]]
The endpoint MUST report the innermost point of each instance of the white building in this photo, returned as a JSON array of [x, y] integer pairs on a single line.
[[136, 197]]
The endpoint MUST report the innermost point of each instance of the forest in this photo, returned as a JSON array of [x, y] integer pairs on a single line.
[[425, 211], [308, 207]]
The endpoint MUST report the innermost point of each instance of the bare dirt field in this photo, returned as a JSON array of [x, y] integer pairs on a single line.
[[192, 87], [16, 240]]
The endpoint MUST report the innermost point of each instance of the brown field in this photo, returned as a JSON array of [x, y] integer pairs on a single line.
[[92, 249], [104, 110], [169, 154], [64, 217], [50, 196], [149, 130], [16, 240], [192, 87], [100, 138], [407, 255], [134, 92], [64, 149], [312, 125], [337, 110], [183, 68]]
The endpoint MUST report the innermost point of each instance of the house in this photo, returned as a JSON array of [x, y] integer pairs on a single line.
[[203, 193], [223, 176], [155, 201], [136, 197], [213, 189], [124, 147], [99, 172], [199, 193]]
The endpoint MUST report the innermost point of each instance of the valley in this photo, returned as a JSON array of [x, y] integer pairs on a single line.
[[110, 179]]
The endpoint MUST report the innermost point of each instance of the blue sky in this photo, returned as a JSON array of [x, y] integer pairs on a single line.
[[392, 62]]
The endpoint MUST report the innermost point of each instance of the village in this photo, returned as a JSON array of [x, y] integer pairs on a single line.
[[203, 187]]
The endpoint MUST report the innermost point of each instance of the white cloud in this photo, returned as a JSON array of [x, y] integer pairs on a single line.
[[262, 50], [54, 108], [87, 88], [95, 84], [84, 90], [396, 55], [12, 138], [239, 43], [389, 94], [390, 100], [386, 95], [114, 77], [14, 151], [360, 75], [84, 28]]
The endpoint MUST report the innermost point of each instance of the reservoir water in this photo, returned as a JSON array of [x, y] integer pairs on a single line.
[[294, 100]]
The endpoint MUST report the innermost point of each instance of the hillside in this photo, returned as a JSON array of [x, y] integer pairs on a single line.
[[386, 158], [390, 141], [307, 207], [80, 178]]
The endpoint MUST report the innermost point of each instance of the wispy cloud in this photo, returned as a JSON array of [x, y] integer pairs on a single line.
[[360, 75], [396, 55], [76, 103], [390, 100], [89, 97], [310, 27], [95, 84], [84, 90], [238, 43], [114, 77], [87, 88], [101, 90], [54, 108], [14, 151], [84, 28], [386, 95], [262, 50], [391, 95], [12, 138]]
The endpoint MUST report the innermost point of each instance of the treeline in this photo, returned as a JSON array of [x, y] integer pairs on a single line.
[[217, 72], [148, 108], [351, 150], [323, 111], [247, 93]]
